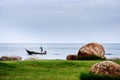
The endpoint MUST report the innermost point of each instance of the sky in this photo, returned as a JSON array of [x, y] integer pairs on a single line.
[[59, 21]]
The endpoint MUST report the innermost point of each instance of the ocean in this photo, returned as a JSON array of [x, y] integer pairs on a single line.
[[54, 50]]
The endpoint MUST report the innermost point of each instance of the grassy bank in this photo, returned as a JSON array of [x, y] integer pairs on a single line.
[[44, 69]]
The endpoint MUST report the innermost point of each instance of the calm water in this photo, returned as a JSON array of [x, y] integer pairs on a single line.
[[54, 51]]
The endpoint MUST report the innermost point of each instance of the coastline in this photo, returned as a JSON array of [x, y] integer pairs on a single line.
[[55, 51]]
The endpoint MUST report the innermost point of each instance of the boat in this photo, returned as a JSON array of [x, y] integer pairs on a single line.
[[32, 52]]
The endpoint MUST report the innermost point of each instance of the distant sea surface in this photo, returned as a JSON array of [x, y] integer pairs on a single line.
[[54, 50]]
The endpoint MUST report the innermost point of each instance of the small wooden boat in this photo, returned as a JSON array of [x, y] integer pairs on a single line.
[[32, 52]]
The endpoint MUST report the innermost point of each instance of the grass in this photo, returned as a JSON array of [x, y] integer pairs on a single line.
[[91, 76], [44, 69]]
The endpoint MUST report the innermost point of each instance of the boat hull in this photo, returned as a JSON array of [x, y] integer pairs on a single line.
[[32, 52]]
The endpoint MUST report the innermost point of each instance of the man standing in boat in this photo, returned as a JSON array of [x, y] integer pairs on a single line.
[[41, 48]]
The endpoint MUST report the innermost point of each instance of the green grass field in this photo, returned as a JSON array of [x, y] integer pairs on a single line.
[[44, 69]]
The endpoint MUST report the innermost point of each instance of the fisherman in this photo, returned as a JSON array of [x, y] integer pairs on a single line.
[[45, 51], [41, 48]]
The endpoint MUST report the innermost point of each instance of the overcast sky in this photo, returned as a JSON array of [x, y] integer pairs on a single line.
[[59, 21]]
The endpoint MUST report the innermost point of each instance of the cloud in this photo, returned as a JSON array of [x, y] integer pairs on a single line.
[[48, 20], [60, 11]]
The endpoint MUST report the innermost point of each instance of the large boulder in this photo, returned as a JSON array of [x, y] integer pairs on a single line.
[[71, 57], [91, 51], [10, 58], [108, 68]]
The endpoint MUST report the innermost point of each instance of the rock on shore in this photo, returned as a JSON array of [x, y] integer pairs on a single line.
[[71, 57], [108, 68], [10, 58], [32, 58], [92, 50]]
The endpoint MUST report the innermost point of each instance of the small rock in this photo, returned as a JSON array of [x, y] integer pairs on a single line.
[[114, 58], [32, 58], [10, 58], [71, 57], [108, 68]]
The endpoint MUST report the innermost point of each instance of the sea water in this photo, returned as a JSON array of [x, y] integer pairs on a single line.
[[54, 50]]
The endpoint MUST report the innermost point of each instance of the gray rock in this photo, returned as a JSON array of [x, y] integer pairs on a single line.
[[32, 58], [114, 58], [10, 58]]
